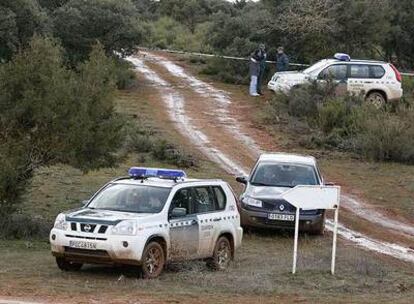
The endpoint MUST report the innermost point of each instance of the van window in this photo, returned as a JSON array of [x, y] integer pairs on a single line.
[[376, 71], [359, 71], [335, 72]]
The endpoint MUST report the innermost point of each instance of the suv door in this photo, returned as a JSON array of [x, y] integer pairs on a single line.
[[338, 73], [211, 202], [184, 229], [359, 79]]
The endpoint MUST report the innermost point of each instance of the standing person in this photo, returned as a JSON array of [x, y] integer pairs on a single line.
[[282, 60], [254, 68], [262, 66]]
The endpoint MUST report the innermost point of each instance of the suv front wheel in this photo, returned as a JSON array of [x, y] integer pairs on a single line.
[[67, 265], [153, 260]]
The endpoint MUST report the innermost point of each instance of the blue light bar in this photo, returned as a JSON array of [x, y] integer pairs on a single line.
[[342, 57], [139, 172]]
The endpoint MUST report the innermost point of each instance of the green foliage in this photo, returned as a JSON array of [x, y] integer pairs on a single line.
[[347, 123], [143, 139], [19, 21], [51, 114], [80, 24]]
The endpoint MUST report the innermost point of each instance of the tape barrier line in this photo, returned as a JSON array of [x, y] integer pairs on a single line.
[[233, 58], [212, 55]]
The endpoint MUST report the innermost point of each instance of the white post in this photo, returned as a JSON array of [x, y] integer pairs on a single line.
[[334, 240], [295, 245]]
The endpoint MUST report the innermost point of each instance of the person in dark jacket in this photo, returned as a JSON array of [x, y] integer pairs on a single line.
[[282, 60], [254, 67], [262, 66]]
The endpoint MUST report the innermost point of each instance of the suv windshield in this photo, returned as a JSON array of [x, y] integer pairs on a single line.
[[283, 175], [131, 198]]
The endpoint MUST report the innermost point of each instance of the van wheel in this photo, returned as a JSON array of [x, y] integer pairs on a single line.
[[222, 255], [153, 260], [67, 265], [376, 99]]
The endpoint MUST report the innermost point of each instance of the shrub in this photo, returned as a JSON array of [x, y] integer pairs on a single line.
[[347, 123], [386, 136], [123, 73], [19, 226]]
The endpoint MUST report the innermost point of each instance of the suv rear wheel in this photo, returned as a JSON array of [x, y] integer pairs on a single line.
[[377, 99], [153, 260], [67, 265], [222, 255]]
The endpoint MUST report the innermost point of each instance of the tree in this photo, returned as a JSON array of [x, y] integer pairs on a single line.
[[19, 21], [400, 42], [114, 23], [51, 114]]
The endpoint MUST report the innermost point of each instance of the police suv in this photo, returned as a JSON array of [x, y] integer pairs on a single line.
[[149, 218], [379, 81]]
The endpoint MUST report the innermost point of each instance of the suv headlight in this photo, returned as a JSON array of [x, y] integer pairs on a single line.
[[60, 222], [252, 202], [127, 227]]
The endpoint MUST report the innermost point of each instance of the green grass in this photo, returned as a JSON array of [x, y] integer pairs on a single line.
[[261, 269]]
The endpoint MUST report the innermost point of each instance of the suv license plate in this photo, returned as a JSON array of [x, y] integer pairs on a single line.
[[82, 245], [281, 217]]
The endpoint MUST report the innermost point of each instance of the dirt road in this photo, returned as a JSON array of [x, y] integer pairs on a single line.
[[210, 120]]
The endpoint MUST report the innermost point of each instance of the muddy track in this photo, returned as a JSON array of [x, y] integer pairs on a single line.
[[203, 115]]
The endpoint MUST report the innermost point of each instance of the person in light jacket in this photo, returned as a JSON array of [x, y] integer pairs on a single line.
[[254, 68]]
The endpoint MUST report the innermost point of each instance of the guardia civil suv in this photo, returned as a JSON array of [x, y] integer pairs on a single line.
[[149, 218], [262, 204], [378, 81]]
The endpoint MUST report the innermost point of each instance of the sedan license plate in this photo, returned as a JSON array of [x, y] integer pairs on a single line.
[[82, 245], [281, 217]]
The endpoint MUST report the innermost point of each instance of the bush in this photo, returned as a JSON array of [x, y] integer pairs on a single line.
[[140, 139], [347, 123], [123, 73], [228, 71], [386, 136], [20, 226]]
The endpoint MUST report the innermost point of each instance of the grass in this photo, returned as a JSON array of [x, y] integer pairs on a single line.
[[261, 269]]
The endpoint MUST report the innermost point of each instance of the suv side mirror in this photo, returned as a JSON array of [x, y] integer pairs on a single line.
[[178, 212], [84, 202], [241, 179]]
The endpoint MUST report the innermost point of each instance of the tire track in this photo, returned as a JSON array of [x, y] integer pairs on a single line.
[[175, 105]]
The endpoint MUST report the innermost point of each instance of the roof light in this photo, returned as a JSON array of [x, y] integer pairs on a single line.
[[342, 57], [139, 172]]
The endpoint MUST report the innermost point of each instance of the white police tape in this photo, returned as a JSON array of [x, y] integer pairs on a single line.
[[211, 55], [232, 57]]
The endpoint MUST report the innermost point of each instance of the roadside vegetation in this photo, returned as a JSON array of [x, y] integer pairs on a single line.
[[322, 119]]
